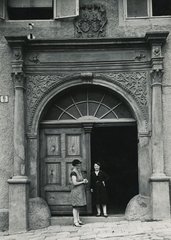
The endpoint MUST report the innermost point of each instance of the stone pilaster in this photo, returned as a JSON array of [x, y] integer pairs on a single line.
[[19, 184], [160, 201], [19, 125]]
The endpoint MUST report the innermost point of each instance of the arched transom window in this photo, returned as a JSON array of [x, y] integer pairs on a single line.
[[87, 103]]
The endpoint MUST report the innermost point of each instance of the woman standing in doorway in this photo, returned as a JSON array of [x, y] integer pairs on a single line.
[[78, 196], [98, 188]]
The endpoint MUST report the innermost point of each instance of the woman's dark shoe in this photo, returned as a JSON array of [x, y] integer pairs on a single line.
[[98, 215], [76, 224], [105, 215], [81, 223]]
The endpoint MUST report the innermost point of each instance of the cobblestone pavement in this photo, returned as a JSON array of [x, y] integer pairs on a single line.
[[124, 230]]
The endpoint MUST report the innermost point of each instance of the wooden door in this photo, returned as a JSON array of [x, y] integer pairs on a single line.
[[58, 148]]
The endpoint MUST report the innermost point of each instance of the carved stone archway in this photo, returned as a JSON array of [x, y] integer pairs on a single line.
[[111, 73], [106, 81]]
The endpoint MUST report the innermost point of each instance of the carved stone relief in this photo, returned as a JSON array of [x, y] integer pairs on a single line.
[[156, 51], [140, 55], [135, 83], [37, 87], [17, 54], [34, 58], [91, 22]]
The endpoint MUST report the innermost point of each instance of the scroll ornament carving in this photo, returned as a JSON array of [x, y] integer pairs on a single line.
[[37, 87], [135, 83], [91, 22]]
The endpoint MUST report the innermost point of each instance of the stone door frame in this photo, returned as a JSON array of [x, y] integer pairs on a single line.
[[150, 135]]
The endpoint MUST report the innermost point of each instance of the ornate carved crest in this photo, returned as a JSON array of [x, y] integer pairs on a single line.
[[91, 22]]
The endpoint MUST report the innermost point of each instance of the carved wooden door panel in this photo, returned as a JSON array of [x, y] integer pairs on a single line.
[[59, 147]]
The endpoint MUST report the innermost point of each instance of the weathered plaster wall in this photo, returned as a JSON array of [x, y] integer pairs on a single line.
[[116, 27], [6, 132]]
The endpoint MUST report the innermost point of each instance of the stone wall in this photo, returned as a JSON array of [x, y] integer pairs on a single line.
[[63, 29]]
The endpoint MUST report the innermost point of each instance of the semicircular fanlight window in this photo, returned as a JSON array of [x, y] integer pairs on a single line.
[[91, 102]]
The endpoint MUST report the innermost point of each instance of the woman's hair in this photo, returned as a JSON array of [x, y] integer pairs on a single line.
[[75, 162], [98, 164]]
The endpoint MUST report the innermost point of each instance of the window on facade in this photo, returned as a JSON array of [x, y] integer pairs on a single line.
[[148, 8], [29, 9], [2, 9], [137, 8], [161, 7], [41, 9]]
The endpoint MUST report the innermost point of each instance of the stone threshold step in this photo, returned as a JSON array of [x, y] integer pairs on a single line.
[[68, 220]]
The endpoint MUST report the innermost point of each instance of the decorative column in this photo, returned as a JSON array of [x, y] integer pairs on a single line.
[[160, 200], [19, 184], [87, 129]]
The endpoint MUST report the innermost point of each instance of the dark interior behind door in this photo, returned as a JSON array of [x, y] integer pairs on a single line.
[[116, 149]]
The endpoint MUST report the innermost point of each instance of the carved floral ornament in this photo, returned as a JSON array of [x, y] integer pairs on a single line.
[[34, 58], [135, 83], [91, 23]]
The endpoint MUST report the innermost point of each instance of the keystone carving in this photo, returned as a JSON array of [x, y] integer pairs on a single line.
[[87, 77]]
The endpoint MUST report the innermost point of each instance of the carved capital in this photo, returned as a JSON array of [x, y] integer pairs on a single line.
[[157, 76], [19, 80]]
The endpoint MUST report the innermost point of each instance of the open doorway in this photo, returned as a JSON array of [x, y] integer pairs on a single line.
[[116, 149]]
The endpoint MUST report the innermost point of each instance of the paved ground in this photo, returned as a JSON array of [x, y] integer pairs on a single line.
[[123, 230]]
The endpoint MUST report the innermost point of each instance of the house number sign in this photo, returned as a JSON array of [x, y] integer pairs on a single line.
[[4, 99]]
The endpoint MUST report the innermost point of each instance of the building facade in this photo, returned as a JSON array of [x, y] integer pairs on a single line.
[[87, 80]]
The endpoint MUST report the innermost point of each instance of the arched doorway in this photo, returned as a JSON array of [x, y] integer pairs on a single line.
[[71, 125]]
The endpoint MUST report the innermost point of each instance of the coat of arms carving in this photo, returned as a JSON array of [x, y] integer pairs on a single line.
[[91, 23]]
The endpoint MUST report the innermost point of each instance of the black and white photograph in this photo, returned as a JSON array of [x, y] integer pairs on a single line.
[[85, 119]]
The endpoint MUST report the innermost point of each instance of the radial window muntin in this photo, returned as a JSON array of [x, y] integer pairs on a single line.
[[82, 103]]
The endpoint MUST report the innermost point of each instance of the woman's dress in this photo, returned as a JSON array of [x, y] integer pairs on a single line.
[[78, 196], [100, 195]]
